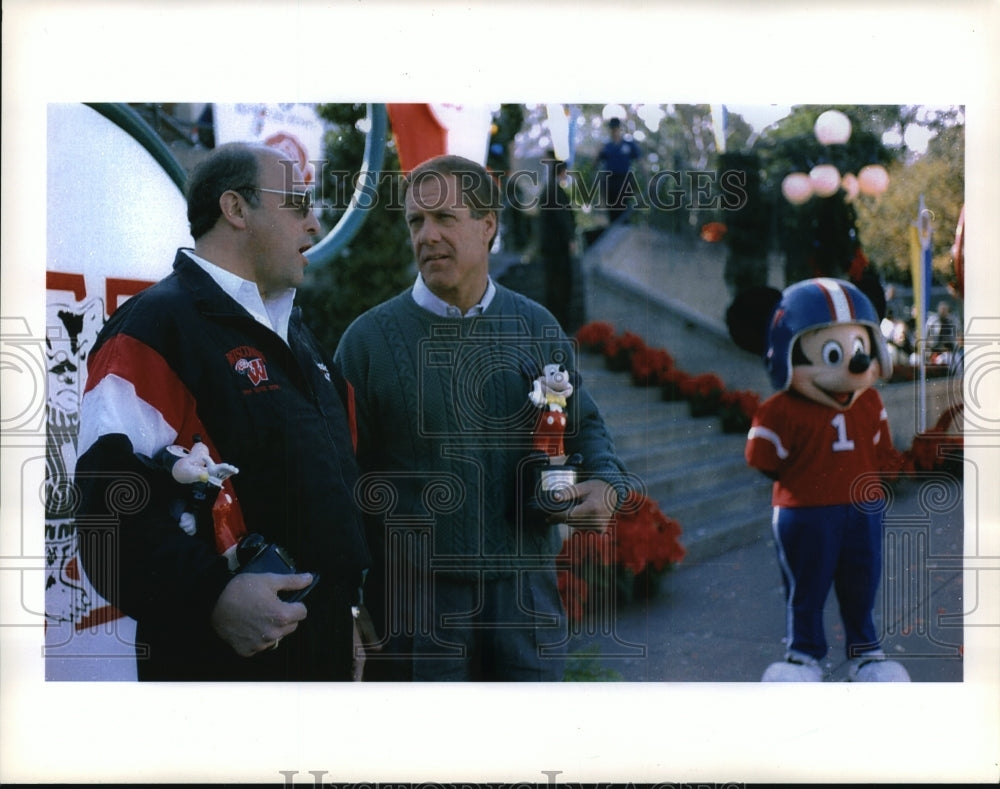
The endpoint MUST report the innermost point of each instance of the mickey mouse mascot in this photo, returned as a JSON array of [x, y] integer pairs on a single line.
[[823, 431]]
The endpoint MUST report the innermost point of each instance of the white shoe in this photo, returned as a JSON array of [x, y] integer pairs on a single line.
[[875, 667], [796, 667]]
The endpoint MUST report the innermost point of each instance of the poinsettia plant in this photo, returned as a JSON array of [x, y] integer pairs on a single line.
[[619, 350], [703, 393], [639, 545], [941, 447], [648, 364], [672, 384], [593, 335], [737, 409]]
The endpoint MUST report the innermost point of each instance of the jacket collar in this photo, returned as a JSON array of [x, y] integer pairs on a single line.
[[212, 296]]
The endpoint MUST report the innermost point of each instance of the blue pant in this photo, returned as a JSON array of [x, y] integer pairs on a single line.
[[820, 547]]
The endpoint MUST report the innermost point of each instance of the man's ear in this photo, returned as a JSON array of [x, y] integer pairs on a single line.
[[233, 207], [490, 223]]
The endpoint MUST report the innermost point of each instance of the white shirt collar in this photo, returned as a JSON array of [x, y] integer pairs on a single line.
[[433, 303], [273, 313]]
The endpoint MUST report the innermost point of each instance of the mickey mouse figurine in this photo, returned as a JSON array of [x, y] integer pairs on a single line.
[[824, 429], [195, 468], [549, 392], [547, 470]]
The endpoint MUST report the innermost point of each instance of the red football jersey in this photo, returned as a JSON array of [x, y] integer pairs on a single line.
[[816, 453]]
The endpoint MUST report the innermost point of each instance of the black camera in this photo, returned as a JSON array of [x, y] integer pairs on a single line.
[[254, 554]]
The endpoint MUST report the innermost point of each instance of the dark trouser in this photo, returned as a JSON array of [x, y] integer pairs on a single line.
[[559, 285], [820, 547], [510, 629], [617, 197]]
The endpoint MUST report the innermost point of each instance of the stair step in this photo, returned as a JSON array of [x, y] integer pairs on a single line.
[[660, 430], [722, 498], [689, 466], [714, 538], [680, 451], [699, 476]]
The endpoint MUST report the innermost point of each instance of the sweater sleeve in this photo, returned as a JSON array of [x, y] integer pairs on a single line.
[[589, 436]]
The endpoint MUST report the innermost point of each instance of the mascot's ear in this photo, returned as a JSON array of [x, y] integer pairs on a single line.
[[748, 316], [871, 286]]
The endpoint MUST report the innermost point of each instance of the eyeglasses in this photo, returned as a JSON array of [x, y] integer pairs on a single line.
[[302, 201]]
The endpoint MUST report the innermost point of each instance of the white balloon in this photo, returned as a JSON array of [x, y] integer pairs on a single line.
[[832, 128], [797, 188], [825, 180], [873, 180]]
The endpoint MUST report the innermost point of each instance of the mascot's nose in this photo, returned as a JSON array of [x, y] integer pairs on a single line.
[[859, 363]]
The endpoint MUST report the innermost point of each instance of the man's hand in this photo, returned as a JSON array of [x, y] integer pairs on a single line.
[[594, 504], [249, 615]]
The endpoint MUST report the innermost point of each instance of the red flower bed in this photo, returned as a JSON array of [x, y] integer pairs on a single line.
[[736, 409], [645, 537], [703, 392], [640, 541], [648, 364], [592, 336], [941, 446], [672, 383]]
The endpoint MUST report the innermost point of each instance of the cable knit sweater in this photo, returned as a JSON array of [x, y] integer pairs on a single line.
[[444, 421]]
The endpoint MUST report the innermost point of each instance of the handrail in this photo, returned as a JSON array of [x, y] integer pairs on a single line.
[[135, 126], [371, 167]]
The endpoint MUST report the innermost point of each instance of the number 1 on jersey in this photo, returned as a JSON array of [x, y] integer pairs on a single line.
[[843, 443]]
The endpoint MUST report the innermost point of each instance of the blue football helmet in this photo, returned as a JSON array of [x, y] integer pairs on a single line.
[[814, 304]]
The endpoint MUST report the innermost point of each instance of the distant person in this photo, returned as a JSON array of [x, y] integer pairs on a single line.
[[897, 337], [614, 164], [557, 242], [942, 334]]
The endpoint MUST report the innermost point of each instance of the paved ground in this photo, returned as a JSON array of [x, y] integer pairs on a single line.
[[722, 620]]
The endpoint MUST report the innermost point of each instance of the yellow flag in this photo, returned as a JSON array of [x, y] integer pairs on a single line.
[[916, 273]]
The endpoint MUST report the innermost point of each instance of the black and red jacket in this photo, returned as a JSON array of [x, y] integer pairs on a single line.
[[183, 359]]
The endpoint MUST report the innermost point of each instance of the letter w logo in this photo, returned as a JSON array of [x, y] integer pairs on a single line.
[[253, 369]]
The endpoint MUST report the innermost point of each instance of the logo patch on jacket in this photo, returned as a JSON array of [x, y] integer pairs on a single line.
[[248, 361]]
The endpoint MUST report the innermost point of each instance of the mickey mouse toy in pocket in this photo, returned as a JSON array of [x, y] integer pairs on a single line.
[[824, 431]]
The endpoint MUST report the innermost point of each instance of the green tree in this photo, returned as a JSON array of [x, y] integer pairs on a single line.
[[378, 262], [884, 224], [820, 236]]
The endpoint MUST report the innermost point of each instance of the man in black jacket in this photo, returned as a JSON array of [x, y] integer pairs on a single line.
[[557, 243], [216, 354]]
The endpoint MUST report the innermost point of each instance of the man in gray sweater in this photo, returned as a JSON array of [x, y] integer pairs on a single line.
[[463, 585]]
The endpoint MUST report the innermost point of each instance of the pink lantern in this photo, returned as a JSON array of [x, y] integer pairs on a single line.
[[797, 188], [832, 128], [825, 180], [873, 180]]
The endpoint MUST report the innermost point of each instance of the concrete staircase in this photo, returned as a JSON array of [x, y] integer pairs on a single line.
[[693, 470]]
